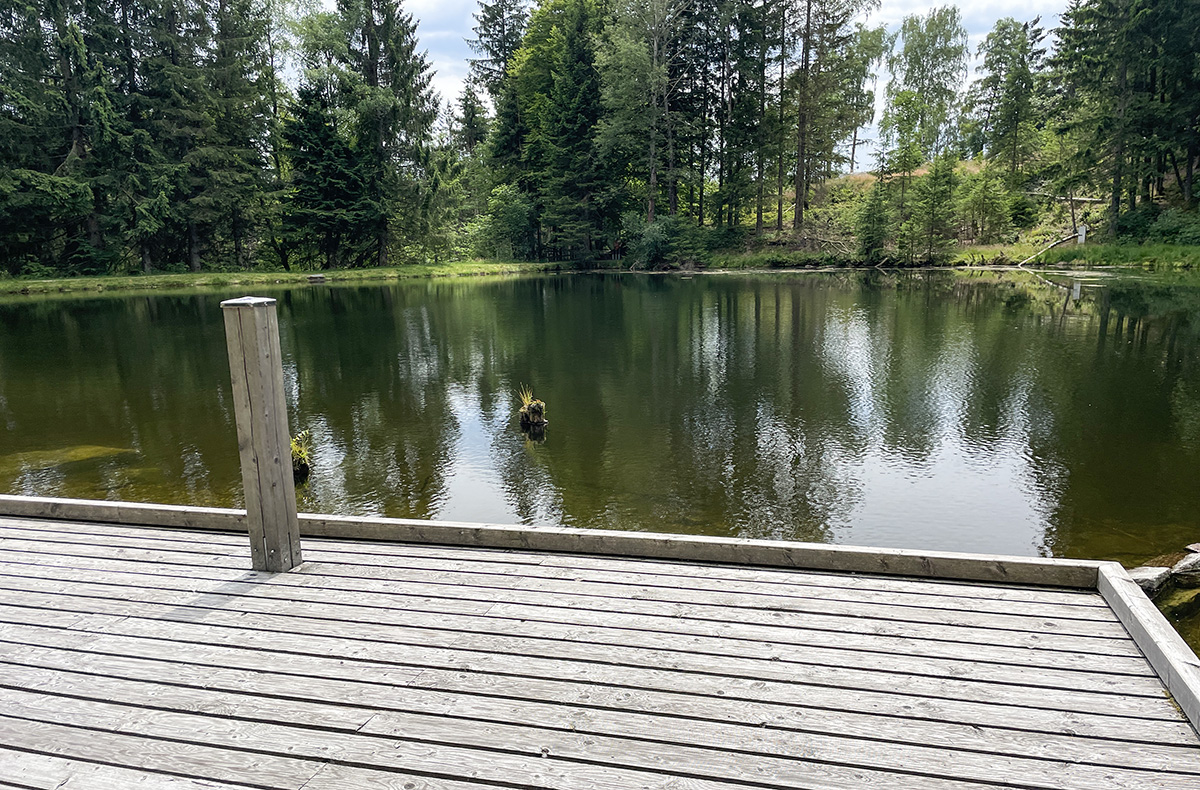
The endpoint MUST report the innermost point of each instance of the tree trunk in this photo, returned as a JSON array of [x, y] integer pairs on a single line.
[[760, 162], [1118, 148], [801, 183], [95, 239], [193, 247], [672, 169], [652, 184], [239, 246], [1188, 172], [782, 129]]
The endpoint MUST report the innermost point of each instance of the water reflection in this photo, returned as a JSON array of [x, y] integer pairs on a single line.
[[975, 412]]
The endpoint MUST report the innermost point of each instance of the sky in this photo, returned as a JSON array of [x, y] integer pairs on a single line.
[[444, 26]]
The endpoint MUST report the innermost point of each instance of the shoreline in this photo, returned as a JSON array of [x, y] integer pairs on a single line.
[[99, 284]]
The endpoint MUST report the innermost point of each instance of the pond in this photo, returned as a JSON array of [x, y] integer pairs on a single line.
[[969, 411]]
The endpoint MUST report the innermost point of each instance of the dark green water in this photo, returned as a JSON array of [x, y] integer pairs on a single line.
[[931, 411]]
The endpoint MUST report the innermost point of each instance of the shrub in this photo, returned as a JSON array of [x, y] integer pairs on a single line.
[[668, 241], [506, 230], [1135, 225], [1175, 226]]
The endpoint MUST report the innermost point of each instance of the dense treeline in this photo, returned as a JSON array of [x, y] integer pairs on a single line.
[[177, 134]]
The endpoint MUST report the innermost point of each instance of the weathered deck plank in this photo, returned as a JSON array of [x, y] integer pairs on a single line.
[[739, 592], [1104, 639], [770, 667], [148, 658]]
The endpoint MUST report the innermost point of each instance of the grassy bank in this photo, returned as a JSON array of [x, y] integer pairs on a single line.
[[1156, 256], [1177, 256], [144, 282], [1159, 256]]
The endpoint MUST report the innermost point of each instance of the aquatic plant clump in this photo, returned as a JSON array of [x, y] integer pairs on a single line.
[[301, 456], [532, 411]]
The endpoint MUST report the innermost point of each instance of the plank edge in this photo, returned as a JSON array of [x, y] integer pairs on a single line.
[[1176, 664]]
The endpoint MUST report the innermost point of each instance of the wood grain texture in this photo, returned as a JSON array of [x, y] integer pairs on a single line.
[[1156, 715], [152, 656], [1166, 651], [351, 622], [264, 442], [1094, 679], [344, 706], [611, 578], [796, 590], [47, 772], [465, 599]]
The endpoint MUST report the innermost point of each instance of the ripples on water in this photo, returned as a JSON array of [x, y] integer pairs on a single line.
[[933, 410]]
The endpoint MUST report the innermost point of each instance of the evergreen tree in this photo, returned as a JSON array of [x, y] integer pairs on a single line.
[[872, 225], [228, 166], [1007, 94], [984, 208], [329, 211], [175, 110], [499, 28], [636, 50], [572, 179], [470, 122], [930, 232]]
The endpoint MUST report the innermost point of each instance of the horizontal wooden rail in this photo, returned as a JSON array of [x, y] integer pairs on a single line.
[[775, 553]]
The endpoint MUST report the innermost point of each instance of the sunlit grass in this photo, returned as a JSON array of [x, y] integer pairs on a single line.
[[1177, 256], [19, 285]]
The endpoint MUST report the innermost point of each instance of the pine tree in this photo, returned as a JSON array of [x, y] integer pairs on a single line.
[[228, 167], [499, 28], [928, 234], [872, 227], [328, 210], [366, 63], [470, 122], [572, 180], [1007, 94]]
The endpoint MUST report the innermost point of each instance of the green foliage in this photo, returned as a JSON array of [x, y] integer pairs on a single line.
[[669, 242], [1005, 100], [163, 137], [301, 454], [873, 224], [928, 234], [1168, 256], [777, 259], [1135, 225], [985, 208], [927, 70], [499, 27], [1175, 226], [506, 230]]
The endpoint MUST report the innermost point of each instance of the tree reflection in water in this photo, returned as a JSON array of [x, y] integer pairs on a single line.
[[975, 411]]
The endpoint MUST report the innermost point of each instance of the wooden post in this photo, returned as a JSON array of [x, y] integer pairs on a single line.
[[256, 369]]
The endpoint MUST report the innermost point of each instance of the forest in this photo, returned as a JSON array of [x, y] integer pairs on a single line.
[[189, 135]]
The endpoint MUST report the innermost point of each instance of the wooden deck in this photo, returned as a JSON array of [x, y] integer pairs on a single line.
[[136, 657]]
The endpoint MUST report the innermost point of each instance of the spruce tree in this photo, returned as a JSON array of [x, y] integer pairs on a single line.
[[572, 179], [872, 226], [499, 28], [328, 211]]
